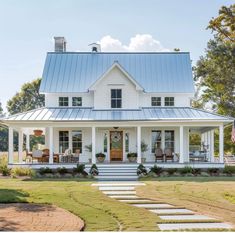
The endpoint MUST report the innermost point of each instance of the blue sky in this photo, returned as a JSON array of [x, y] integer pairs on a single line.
[[28, 26]]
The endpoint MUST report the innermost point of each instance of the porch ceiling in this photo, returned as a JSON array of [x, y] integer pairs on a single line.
[[143, 114]]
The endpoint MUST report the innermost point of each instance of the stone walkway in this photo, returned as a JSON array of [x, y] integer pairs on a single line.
[[173, 217]]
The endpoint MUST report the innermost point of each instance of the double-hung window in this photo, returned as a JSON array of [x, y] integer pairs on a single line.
[[156, 101], [76, 101], [77, 141], [169, 101], [63, 101], [170, 140], [63, 141], [116, 98], [156, 140]]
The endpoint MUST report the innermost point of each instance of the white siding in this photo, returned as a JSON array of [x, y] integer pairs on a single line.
[[115, 79]]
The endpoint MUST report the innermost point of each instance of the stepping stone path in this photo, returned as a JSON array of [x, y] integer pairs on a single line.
[[125, 192]]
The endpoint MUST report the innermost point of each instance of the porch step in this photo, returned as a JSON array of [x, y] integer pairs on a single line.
[[116, 178], [117, 173]]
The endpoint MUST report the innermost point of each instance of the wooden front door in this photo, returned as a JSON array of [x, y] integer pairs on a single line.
[[116, 145]]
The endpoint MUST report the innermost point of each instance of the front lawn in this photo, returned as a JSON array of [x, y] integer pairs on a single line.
[[212, 196], [99, 212]]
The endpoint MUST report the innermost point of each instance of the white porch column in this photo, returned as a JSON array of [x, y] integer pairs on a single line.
[[28, 141], [51, 144], [47, 138], [93, 137], [212, 145], [221, 143], [181, 144], [10, 145], [138, 144], [20, 146]]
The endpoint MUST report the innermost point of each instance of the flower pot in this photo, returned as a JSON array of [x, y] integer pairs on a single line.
[[38, 132], [132, 159], [100, 159]]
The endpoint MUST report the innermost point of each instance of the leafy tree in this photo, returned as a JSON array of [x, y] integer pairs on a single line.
[[224, 24], [1, 110], [27, 99]]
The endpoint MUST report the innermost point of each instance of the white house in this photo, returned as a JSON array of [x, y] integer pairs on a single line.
[[115, 102]]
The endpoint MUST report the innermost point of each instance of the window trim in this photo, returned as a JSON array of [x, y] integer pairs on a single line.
[[157, 101], [116, 99], [63, 101]]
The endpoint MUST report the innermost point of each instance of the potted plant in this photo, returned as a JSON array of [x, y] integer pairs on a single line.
[[38, 132], [132, 156], [144, 148], [100, 157]]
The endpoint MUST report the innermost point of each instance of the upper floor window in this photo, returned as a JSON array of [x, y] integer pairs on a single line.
[[116, 98], [63, 101], [77, 101], [156, 101], [169, 101]]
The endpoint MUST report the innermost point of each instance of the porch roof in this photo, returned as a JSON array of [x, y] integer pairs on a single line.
[[143, 114]]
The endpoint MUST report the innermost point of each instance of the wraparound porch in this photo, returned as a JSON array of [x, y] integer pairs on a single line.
[[100, 136]]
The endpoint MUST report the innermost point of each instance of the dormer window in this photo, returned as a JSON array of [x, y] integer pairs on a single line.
[[63, 101], [76, 101], [169, 101], [156, 101], [116, 98]]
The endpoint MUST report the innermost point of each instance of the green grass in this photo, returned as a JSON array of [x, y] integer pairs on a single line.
[[212, 196], [99, 212]]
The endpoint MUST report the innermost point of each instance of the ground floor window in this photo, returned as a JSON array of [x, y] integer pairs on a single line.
[[156, 140], [105, 143], [77, 141], [63, 141], [170, 140], [127, 142]]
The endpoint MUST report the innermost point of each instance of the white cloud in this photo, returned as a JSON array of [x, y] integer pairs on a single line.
[[138, 43]]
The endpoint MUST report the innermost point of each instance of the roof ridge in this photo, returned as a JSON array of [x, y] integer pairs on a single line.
[[92, 53]]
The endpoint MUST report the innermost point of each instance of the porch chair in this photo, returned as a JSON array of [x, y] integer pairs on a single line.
[[169, 155], [159, 155], [37, 155]]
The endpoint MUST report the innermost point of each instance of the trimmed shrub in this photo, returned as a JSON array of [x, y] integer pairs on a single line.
[[80, 169], [185, 170], [62, 170], [229, 170], [171, 171], [141, 170], [196, 171], [94, 170], [157, 170], [45, 170], [3, 166], [213, 171], [20, 171]]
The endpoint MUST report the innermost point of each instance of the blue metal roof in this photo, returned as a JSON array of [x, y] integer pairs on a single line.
[[90, 114], [155, 72]]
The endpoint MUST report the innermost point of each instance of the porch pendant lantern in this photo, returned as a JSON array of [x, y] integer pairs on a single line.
[[38, 132]]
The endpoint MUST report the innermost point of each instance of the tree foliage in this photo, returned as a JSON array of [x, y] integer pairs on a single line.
[[27, 99], [224, 24]]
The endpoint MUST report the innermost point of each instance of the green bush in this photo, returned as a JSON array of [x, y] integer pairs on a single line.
[[3, 166], [80, 169], [185, 170], [213, 171], [131, 155], [229, 170], [21, 171], [171, 171], [94, 170], [45, 170], [157, 170], [62, 170], [196, 171], [142, 170]]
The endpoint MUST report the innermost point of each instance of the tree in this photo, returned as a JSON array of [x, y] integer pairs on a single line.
[[27, 99], [1, 110], [224, 24]]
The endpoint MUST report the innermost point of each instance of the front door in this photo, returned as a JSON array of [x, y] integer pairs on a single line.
[[116, 145]]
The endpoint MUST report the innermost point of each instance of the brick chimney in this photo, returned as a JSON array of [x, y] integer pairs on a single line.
[[60, 44]]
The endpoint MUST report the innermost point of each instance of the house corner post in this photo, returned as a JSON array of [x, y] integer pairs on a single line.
[[93, 139], [20, 145], [10, 145], [212, 145], [221, 144], [138, 144], [51, 143], [181, 159]]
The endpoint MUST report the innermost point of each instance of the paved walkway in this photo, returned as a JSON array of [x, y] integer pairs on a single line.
[[35, 217], [170, 214]]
